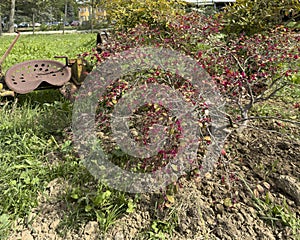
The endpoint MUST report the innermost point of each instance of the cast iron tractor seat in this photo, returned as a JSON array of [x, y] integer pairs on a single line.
[[30, 75]]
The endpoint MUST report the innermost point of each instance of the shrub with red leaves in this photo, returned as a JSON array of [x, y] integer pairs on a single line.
[[247, 69]]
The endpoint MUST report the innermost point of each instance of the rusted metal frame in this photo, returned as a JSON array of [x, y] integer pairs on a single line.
[[9, 48]]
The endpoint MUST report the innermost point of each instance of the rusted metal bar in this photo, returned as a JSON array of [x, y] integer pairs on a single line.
[[9, 49], [65, 57]]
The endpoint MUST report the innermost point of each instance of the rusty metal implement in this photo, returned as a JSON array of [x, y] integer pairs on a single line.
[[29, 75], [33, 75]]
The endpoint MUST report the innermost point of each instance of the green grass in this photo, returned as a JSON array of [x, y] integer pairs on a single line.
[[277, 214], [36, 127], [23, 149], [282, 105], [31, 131], [274, 213], [33, 47]]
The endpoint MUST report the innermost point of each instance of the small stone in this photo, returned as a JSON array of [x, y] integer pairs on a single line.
[[248, 218], [290, 186], [54, 224], [26, 235], [267, 185], [54, 183], [100, 134], [51, 236], [219, 208], [240, 217], [260, 188], [119, 236], [244, 168], [91, 228], [270, 197], [45, 227], [256, 193], [208, 176], [252, 211]]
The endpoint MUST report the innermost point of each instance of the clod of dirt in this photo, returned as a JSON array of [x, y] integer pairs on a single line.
[[91, 230], [289, 186], [26, 235], [129, 226]]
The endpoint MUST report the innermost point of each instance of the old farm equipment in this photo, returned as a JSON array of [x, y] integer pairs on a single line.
[[33, 75]]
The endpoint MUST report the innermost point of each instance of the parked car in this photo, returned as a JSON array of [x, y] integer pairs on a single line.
[[3, 25], [55, 23], [35, 24], [23, 25], [75, 23]]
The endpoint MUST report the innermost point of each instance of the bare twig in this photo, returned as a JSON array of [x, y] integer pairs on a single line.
[[249, 88], [287, 136], [271, 94], [270, 117]]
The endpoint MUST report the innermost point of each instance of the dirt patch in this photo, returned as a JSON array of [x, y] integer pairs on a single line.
[[239, 199], [251, 194]]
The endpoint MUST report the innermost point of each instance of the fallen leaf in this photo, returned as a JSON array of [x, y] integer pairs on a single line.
[[170, 198], [227, 202]]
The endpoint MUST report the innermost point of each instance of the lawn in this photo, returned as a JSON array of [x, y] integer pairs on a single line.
[[32, 47], [35, 144]]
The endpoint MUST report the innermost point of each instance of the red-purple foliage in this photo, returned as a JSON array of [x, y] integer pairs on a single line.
[[246, 69]]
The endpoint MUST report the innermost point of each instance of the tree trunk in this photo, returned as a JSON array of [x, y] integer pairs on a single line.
[[92, 17], [1, 25], [65, 16], [1, 30], [33, 23], [11, 27]]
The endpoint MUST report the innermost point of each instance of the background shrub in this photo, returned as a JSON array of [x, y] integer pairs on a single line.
[[127, 14], [257, 15]]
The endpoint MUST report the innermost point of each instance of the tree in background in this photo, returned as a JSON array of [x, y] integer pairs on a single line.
[[129, 13], [36, 10], [71, 13], [1, 12], [11, 22], [39, 10], [252, 16]]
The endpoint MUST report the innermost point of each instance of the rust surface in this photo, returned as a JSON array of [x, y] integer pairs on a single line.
[[27, 76]]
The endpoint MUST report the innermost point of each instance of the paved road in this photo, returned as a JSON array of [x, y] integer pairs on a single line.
[[56, 32]]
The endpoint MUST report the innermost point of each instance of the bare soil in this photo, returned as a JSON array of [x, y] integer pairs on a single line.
[[247, 196]]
